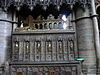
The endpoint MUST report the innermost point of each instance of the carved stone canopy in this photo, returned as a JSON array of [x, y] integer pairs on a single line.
[[31, 3]]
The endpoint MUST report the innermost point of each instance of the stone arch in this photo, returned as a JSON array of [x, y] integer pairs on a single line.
[[97, 6]]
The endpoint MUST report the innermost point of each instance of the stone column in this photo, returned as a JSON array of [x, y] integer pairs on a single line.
[[15, 25], [96, 34], [5, 35], [85, 40]]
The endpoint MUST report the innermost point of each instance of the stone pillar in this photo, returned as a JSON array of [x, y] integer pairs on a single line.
[[5, 35], [15, 25], [96, 34], [85, 40]]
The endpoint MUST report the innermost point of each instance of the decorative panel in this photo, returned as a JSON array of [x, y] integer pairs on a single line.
[[38, 47], [37, 50], [48, 50], [21, 51], [60, 46], [44, 69], [32, 50], [44, 47], [71, 49], [16, 50], [26, 50]]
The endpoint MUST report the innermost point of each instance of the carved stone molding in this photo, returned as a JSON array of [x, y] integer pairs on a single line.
[[31, 3]]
